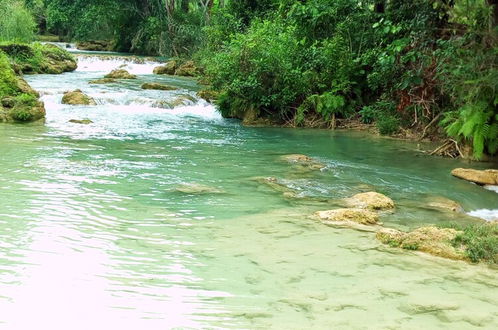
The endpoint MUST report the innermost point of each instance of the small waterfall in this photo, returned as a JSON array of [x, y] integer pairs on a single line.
[[488, 215], [107, 63], [70, 47]]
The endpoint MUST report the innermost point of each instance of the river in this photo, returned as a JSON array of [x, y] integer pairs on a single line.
[[98, 232]]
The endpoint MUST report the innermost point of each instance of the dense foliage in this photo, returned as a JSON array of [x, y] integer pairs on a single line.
[[425, 65], [16, 23]]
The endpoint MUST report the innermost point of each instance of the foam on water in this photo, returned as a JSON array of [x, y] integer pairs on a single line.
[[492, 188], [488, 215]]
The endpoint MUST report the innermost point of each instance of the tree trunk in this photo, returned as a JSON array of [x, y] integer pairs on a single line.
[[494, 13]]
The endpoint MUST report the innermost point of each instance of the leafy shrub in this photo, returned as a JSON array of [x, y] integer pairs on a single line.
[[8, 80], [480, 242], [368, 114], [388, 124], [16, 23], [260, 69], [21, 114]]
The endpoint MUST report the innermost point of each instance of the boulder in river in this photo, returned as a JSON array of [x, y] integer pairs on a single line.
[[361, 216], [182, 100], [95, 45], [370, 200], [159, 87], [481, 177], [432, 240], [196, 188], [77, 97], [81, 121], [208, 95], [303, 160], [187, 69], [39, 58], [444, 204], [102, 81], [120, 74], [168, 68]]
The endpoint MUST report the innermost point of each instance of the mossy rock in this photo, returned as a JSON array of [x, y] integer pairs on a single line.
[[95, 45], [431, 240], [157, 86], [208, 95], [37, 58], [77, 97], [120, 74], [103, 81], [169, 68], [183, 100], [187, 69], [18, 101], [81, 121]]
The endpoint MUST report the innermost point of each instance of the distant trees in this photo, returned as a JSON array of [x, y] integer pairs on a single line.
[[16, 22]]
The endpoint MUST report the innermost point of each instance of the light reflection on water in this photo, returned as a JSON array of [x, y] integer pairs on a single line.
[[94, 234]]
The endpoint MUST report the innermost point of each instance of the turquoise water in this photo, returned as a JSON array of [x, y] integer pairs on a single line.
[[94, 232]]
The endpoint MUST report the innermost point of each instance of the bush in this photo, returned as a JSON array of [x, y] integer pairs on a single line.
[[16, 23], [260, 69], [388, 124], [21, 114], [8, 79], [480, 242]]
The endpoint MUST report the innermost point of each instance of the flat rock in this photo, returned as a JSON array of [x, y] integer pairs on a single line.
[[482, 177], [370, 200], [444, 204], [81, 121], [159, 87], [361, 216], [196, 188], [431, 240], [102, 81]]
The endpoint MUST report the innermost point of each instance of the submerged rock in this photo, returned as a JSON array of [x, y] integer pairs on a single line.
[[120, 74], [81, 121], [484, 177], [196, 188], [370, 200], [160, 87], [303, 161], [361, 216], [444, 204], [103, 81], [276, 185], [169, 68], [432, 240], [77, 97], [187, 69]]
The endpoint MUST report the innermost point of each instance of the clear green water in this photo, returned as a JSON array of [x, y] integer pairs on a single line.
[[94, 234]]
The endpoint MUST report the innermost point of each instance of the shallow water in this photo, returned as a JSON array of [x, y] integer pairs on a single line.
[[94, 234]]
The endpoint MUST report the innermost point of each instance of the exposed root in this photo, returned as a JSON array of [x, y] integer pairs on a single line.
[[449, 148]]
